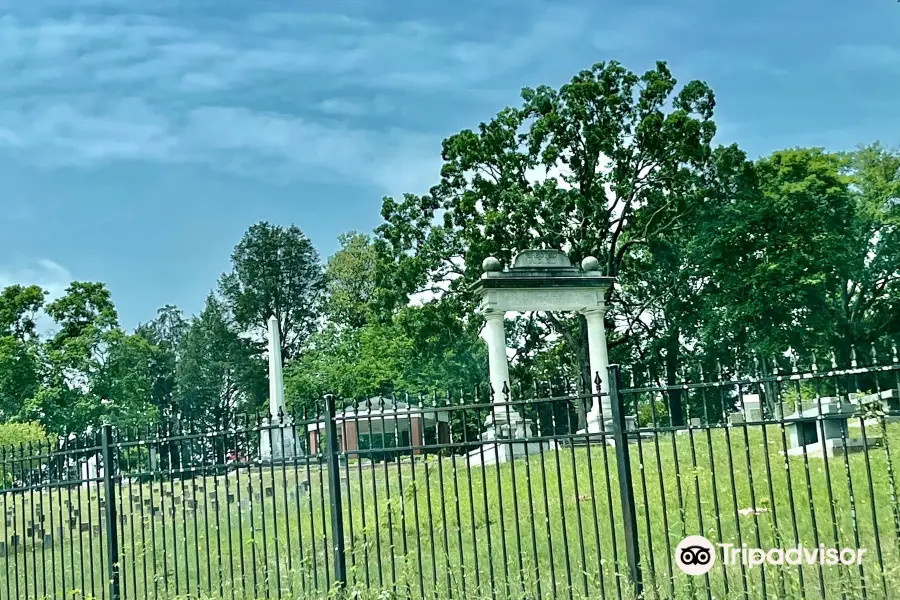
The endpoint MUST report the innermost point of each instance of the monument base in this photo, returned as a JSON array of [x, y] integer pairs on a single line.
[[279, 442], [593, 425], [834, 447], [504, 430]]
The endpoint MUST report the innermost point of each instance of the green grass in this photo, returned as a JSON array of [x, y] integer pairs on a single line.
[[546, 526]]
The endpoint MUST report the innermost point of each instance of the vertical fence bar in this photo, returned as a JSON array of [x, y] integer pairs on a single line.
[[626, 486], [334, 490], [112, 522]]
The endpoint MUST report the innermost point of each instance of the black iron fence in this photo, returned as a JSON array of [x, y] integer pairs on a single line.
[[462, 497]]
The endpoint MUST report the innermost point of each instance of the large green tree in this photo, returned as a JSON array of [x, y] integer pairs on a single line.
[[663, 308], [20, 365], [19, 308], [806, 256], [866, 301], [219, 373], [93, 371], [423, 350], [774, 252], [165, 334], [275, 271], [350, 281], [601, 166], [367, 349]]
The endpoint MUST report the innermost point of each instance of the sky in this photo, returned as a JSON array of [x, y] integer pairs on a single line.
[[139, 139]]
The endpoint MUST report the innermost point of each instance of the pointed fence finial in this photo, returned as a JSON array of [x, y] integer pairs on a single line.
[[815, 362], [853, 356]]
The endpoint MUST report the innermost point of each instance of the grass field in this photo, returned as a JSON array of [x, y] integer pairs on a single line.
[[544, 526]]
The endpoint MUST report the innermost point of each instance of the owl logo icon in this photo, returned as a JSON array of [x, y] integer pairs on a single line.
[[695, 555]]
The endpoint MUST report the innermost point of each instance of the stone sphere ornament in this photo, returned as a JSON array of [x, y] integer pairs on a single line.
[[491, 265], [590, 263]]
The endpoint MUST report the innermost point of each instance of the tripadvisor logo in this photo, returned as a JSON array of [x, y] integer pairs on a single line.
[[696, 555]]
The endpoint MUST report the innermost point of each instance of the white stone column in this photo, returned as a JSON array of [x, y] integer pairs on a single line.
[[276, 376], [278, 440], [498, 362], [599, 362]]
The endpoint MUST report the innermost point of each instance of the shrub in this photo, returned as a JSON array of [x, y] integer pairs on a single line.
[[12, 436]]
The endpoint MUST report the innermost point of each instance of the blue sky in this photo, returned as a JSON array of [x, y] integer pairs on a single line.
[[139, 139]]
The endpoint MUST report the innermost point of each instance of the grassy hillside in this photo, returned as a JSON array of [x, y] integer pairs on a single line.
[[545, 526]]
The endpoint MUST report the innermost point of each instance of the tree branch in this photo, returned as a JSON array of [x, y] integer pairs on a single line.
[[562, 330]]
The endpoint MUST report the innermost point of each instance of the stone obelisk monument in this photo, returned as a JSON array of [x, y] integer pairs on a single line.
[[278, 439], [276, 374]]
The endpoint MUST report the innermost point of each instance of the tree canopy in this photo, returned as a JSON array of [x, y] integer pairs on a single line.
[[719, 259]]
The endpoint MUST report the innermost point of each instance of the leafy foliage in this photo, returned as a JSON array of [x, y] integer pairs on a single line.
[[218, 373], [719, 260], [13, 435], [275, 271]]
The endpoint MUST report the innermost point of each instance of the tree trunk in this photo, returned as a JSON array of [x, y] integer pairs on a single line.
[[843, 348], [770, 392], [579, 344], [673, 349]]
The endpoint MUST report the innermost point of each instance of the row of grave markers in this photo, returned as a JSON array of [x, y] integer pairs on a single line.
[[35, 518]]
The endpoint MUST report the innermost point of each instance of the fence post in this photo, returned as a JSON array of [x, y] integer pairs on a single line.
[[112, 519], [626, 485], [333, 449]]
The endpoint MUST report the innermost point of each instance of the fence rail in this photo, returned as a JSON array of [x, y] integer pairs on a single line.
[[459, 497]]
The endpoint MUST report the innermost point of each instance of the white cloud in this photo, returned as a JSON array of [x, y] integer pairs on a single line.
[[49, 274], [136, 87], [204, 55], [268, 145], [379, 105], [387, 158], [77, 133], [180, 87]]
